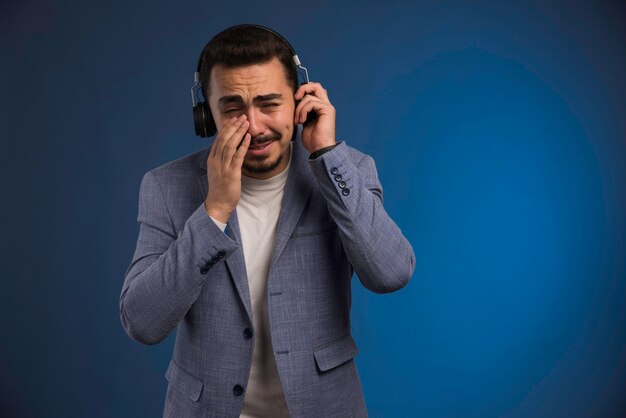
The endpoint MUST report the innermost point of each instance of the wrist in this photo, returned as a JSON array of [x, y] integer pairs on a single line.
[[219, 214], [320, 151], [325, 144]]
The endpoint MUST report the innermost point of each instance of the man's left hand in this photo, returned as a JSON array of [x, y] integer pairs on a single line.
[[319, 131]]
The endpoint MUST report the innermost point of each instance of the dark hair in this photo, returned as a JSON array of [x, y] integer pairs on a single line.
[[244, 45]]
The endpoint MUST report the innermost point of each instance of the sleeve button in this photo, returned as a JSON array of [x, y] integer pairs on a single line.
[[342, 184], [345, 192], [338, 177], [204, 270], [334, 170]]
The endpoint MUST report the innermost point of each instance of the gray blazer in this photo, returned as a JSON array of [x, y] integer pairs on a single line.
[[187, 273]]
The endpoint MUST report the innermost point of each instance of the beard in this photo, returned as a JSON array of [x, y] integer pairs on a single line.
[[262, 164]]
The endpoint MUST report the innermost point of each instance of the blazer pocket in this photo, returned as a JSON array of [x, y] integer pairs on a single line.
[[183, 381], [313, 229], [335, 353]]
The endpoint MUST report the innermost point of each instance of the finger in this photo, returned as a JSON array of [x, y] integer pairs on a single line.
[[226, 131], [216, 148], [308, 105], [240, 154], [314, 89], [231, 143], [307, 88], [304, 108], [306, 99]]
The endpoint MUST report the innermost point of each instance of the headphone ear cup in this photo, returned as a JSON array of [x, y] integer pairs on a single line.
[[198, 120], [211, 129], [203, 120]]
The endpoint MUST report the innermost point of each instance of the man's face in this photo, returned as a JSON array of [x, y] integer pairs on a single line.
[[262, 93]]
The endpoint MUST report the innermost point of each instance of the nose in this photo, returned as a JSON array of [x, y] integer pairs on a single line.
[[256, 126]]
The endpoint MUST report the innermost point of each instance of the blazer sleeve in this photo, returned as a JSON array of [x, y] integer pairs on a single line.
[[381, 256], [168, 269]]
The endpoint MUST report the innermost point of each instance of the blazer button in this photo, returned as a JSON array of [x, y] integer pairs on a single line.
[[345, 192], [334, 170], [204, 270], [247, 333], [338, 177], [342, 184], [237, 390]]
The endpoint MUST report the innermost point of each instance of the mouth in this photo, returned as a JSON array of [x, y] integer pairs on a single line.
[[259, 148], [261, 144]]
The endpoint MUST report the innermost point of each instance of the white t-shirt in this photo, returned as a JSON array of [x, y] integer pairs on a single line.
[[257, 213]]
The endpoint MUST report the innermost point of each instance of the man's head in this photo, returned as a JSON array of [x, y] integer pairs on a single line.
[[244, 45], [250, 70]]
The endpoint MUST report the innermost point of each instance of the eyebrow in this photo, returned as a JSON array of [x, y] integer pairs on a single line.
[[226, 100]]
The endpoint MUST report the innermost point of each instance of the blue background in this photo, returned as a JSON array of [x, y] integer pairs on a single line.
[[499, 132]]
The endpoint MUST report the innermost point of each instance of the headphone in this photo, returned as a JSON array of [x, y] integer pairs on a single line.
[[202, 118]]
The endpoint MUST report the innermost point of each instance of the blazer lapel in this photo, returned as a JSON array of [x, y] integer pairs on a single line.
[[296, 194], [235, 263]]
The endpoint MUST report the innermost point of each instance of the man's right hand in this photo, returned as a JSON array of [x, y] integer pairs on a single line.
[[224, 168]]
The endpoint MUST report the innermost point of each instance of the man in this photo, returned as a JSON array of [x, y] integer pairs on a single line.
[[248, 247]]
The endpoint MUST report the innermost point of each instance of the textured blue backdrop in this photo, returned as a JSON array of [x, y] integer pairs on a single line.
[[499, 132]]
